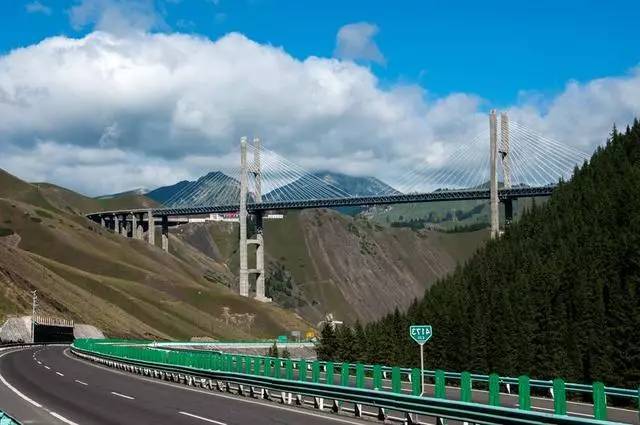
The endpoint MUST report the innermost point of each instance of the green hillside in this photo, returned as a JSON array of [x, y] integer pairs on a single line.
[[557, 295]]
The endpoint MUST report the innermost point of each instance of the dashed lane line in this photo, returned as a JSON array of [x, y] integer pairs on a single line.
[[122, 395], [81, 383], [303, 412], [191, 415], [60, 374], [47, 367]]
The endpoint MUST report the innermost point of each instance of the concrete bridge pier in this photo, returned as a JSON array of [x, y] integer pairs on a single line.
[[165, 233], [242, 216], [140, 227], [134, 226], [151, 228], [123, 226], [116, 224], [260, 272]]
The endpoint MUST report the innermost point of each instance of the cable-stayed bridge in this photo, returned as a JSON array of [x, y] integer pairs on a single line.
[[519, 163]]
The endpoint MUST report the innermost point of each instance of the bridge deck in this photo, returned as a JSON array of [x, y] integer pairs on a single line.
[[439, 196]]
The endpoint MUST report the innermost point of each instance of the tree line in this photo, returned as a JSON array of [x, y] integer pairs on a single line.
[[558, 295]]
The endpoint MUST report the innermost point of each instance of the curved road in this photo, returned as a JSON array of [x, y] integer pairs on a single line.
[[47, 385]]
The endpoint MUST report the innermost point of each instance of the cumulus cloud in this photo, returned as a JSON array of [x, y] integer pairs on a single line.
[[155, 108], [117, 16], [37, 7], [355, 42]]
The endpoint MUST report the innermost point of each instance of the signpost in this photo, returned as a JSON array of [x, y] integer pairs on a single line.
[[421, 334]]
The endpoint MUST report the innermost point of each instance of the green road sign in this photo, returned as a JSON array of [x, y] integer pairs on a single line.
[[420, 333], [282, 338]]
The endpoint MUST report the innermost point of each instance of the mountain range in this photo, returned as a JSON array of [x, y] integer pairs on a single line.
[[217, 187]]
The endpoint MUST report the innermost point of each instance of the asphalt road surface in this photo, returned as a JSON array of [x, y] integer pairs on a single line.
[[56, 388]]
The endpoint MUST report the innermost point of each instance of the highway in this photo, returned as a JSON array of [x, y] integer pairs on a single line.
[[56, 388], [48, 385]]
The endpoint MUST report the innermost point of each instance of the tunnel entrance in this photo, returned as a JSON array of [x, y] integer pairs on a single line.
[[52, 333]]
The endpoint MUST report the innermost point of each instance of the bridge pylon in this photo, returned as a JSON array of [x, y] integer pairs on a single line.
[[502, 152], [493, 172], [258, 240]]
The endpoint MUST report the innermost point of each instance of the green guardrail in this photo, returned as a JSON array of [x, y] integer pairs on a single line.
[[5, 419], [340, 375], [407, 373]]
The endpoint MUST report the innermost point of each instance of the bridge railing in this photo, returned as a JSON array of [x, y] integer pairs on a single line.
[[342, 382]]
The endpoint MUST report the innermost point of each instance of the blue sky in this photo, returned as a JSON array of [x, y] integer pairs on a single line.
[[155, 91], [495, 50]]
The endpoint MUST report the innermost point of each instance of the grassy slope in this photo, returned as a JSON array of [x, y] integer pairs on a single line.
[[349, 267], [70, 201], [124, 286]]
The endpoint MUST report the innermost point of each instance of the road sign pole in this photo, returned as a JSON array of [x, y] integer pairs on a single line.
[[422, 369]]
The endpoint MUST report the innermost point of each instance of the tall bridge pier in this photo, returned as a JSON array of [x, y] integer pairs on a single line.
[[259, 271], [499, 151]]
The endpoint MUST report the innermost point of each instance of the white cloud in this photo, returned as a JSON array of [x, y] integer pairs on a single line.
[[355, 42], [37, 7], [114, 112]]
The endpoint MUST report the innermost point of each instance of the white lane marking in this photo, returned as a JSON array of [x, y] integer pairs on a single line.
[[58, 373], [81, 383], [39, 362], [240, 400], [22, 396], [201, 418], [62, 418], [47, 367], [122, 395]]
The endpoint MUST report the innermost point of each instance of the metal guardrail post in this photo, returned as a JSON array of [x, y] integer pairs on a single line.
[[315, 371], [329, 373], [268, 369], [289, 369], [396, 384], [344, 374], [360, 375], [524, 393], [599, 401], [441, 391], [277, 366], [559, 397], [416, 382], [465, 387], [494, 390], [302, 370], [377, 377]]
